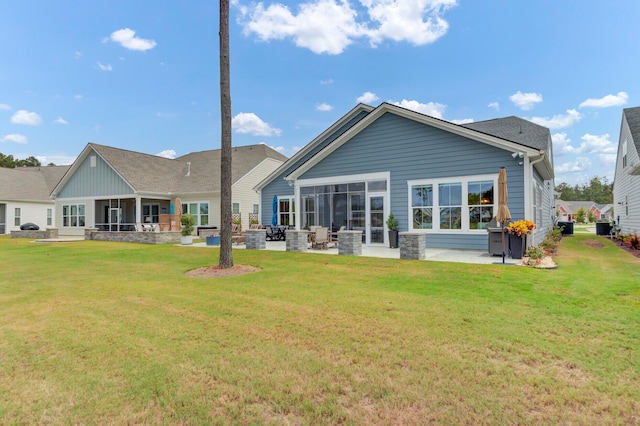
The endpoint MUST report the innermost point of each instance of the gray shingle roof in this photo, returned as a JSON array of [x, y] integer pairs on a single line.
[[633, 120], [197, 172], [29, 183], [516, 130]]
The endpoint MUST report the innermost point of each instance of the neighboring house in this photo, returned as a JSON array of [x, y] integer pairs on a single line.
[[113, 189], [437, 177], [24, 196], [567, 210], [626, 184]]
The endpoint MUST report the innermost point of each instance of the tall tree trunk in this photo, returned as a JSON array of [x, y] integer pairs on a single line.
[[226, 252]]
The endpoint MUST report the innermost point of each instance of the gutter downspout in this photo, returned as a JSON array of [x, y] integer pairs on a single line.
[[529, 191]]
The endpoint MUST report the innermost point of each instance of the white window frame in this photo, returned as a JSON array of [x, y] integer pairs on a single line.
[[464, 181], [197, 215], [339, 180], [78, 223], [49, 217], [16, 216], [292, 209]]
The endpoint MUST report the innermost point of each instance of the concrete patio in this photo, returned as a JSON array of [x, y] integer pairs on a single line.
[[433, 254]]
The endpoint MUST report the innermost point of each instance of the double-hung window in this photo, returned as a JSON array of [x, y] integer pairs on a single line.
[[422, 206], [199, 211], [453, 204], [73, 215], [450, 205]]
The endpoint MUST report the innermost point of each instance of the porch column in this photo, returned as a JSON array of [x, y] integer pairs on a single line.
[[138, 212]]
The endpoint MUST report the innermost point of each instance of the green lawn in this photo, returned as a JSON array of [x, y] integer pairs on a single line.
[[111, 333]]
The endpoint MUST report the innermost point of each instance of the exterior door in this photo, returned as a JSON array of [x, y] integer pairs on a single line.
[[114, 218], [375, 219]]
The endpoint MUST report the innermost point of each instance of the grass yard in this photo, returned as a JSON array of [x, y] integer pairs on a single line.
[[115, 333]]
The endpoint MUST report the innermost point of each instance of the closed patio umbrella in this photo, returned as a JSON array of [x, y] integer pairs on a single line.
[[504, 215], [274, 218]]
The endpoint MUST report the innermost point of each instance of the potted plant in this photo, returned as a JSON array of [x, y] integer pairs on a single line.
[[186, 232], [518, 231], [392, 226]]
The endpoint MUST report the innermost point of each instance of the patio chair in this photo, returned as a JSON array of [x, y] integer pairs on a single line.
[[237, 236], [271, 234], [321, 239], [333, 236]]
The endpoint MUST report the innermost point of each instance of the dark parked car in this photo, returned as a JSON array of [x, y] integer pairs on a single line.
[[29, 227]]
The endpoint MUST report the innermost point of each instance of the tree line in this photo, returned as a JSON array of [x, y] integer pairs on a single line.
[[598, 190], [9, 162]]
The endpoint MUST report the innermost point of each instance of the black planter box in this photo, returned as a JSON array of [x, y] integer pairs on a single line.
[[516, 245], [393, 239]]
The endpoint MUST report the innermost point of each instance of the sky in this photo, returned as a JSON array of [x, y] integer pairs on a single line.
[[144, 75]]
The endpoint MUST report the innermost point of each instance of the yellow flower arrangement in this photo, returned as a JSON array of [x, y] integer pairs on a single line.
[[521, 227]]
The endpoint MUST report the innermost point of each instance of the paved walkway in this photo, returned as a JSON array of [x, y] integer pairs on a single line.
[[442, 255]]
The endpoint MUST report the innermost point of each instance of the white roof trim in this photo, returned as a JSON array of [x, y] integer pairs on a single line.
[[412, 115], [308, 147]]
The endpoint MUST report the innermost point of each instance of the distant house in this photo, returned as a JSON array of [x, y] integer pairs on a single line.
[[436, 177], [113, 189], [567, 210], [626, 184], [24, 196]]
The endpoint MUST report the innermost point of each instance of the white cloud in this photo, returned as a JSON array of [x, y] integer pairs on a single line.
[[494, 105], [607, 101], [248, 122], [418, 22], [58, 160], [367, 98], [330, 26], [327, 81], [594, 144], [15, 138], [562, 144], [5, 106], [580, 164], [432, 108], [60, 120], [559, 121], [77, 54], [463, 121], [127, 38], [525, 101], [104, 67], [591, 144], [324, 107], [78, 97], [167, 153], [26, 117]]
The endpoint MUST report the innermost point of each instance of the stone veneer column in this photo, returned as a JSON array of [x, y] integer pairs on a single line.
[[88, 233], [297, 240], [51, 233], [412, 245], [350, 243], [256, 239]]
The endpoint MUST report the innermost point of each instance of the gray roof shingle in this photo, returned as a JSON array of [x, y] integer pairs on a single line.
[[633, 120], [195, 172], [29, 183], [516, 130]]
